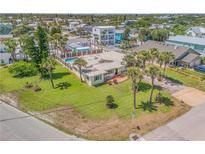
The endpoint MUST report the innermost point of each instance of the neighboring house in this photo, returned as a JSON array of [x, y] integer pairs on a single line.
[[119, 35], [72, 25], [78, 47], [104, 35], [195, 43], [5, 57], [5, 36], [184, 56], [5, 28], [196, 32], [101, 67]]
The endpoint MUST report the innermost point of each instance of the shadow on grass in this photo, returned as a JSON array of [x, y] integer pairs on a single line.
[[166, 101], [63, 85], [143, 86], [147, 106], [174, 80], [60, 75]]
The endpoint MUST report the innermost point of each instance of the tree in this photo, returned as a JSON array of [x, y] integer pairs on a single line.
[[22, 69], [160, 59], [80, 63], [136, 75], [168, 57], [154, 53], [143, 56], [49, 65], [153, 72], [20, 30], [11, 47], [37, 48], [126, 34], [159, 35], [42, 50], [129, 60]]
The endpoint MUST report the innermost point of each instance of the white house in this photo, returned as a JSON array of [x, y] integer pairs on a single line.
[[196, 32], [104, 35], [101, 67]]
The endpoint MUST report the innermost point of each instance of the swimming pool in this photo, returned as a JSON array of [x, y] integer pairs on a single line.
[[70, 60]]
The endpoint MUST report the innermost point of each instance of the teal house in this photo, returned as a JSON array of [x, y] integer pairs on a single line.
[[119, 36]]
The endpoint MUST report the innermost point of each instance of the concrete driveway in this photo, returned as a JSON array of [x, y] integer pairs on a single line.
[[190, 126], [190, 96], [16, 125]]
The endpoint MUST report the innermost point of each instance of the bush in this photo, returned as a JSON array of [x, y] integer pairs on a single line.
[[22, 69], [28, 85], [110, 102], [37, 88]]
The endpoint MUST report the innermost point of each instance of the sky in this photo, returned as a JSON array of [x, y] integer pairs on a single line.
[[102, 6]]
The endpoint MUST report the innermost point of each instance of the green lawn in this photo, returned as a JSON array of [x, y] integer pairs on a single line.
[[88, 100], [187, 80]]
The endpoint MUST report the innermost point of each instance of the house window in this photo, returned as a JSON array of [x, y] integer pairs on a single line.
[[98, 77]]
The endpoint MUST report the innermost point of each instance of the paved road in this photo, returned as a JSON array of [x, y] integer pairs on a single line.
[[190, 126], [17, 125]]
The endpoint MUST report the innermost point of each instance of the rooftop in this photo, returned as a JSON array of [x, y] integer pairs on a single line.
[[161, 46], [105, 27], [102, 62], [187, 39], [197, 29]]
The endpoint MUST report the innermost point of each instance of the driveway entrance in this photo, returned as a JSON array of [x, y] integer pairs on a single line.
[[191, 96]]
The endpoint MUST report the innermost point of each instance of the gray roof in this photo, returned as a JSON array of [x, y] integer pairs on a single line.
[[189, 57], [197, 29], [161, 46], [187, 39]]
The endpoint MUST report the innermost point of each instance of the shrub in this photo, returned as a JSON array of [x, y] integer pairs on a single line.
[[110, 102], [22, 69], [28, 85], [37, 88]]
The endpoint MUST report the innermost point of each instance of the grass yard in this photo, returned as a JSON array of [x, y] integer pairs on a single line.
[[88, 100], [189, 80], [80, 109]]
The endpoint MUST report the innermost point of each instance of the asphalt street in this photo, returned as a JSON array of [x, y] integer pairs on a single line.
[[190, 126], [16, 125]]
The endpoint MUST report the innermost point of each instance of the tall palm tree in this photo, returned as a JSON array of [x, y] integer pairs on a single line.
[[160, 59], [144, 56], [154, 53], [168, 57], [136, 75], [153, 72], [49, 65], [11, 44], [80, 63]]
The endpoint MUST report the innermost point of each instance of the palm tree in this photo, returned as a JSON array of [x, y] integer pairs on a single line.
[[153, 72], [168, 57], [154, 53], [136, 75], [144, 56], [49, 65], [160, 59], [80, 63], [129, 60], [11, 44]]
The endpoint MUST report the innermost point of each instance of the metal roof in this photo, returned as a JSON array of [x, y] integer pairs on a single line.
[[187, 39]]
